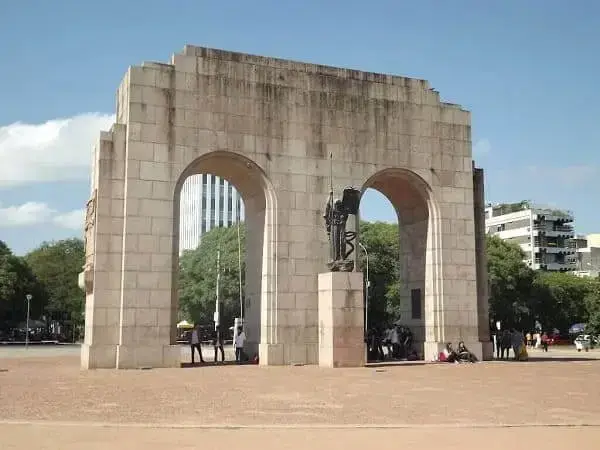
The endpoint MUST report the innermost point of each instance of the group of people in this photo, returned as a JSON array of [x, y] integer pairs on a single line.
[[217, 343], [460, 355], [537, 339], [515, 340], [397, 340]]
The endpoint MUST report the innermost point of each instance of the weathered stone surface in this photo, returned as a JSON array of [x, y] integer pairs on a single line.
[[268, 126], [341, 319]]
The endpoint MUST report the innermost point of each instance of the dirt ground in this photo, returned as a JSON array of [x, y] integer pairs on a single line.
[[436, 406]]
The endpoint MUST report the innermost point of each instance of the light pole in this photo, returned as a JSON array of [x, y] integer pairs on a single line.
[[217, 306], [367, 284], [28, 297], [240, 267]]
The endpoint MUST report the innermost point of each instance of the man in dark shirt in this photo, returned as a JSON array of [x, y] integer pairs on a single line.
[[218, 343]]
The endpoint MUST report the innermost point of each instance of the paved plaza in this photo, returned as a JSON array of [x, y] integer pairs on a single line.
[[48, 402]]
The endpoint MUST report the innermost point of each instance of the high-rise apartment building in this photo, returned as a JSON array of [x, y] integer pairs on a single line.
[[206, 202], [544, 233]]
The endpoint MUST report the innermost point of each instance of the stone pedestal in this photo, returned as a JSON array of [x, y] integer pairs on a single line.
[[138, 357], [98, 356], [487, 351], [341, 319], [128, 357]]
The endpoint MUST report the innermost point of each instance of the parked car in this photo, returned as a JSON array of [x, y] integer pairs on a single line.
[[557, 339], [583, 342]]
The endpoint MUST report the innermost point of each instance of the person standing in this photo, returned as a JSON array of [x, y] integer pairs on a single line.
[[545, 341], [518, 341], [497, 343], [505, 343], [195, 343], [240, 340], [218, 343], [538, 339]]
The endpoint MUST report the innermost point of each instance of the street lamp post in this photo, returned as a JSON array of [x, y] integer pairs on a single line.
[[217, 306], [28, 297], [367, 284]]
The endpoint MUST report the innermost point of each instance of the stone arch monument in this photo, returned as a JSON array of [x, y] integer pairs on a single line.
[[269, 126]]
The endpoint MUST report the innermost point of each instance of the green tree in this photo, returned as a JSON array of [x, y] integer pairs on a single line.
[[16, 281], [592, 305], [57, 265], [382, 241], [558, 299], [510, 283], [198, 276]]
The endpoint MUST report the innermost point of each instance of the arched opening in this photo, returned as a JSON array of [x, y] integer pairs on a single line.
[[401, 317], [213, 194]]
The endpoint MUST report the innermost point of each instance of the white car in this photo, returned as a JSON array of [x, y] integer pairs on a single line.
[[583, 342]]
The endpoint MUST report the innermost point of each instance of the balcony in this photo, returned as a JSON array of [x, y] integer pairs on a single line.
[[553, 266]]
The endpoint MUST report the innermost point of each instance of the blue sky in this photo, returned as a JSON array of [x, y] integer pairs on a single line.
[[528, 71]]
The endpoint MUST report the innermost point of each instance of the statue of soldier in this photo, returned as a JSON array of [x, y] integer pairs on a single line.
[[335, 220]]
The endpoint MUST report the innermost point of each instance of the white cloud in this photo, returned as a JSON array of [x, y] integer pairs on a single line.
[[73, 220], [35, 213], [30, 213], [55, 150], [482, 147]]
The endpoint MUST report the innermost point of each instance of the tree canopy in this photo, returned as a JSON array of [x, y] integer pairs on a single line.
[[382, 241], [16, 281], [50, 274], [520, 296], [56, 265], [198, 276], [510, 282]]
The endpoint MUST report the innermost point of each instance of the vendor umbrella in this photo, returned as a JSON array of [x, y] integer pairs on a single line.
[[577, 328], [185, 325]]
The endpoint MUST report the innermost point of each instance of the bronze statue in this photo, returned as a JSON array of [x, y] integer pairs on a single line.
[[341, 241], [336, 214]]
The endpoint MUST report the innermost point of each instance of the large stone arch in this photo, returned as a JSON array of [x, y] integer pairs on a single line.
[[261, 250], [211, 108], [419, 233]]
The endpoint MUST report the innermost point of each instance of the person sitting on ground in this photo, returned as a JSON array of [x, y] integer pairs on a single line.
[[448, 354], [464, 354], [412, 355]]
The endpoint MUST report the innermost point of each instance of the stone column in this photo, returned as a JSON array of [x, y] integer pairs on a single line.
[[101, 278], [341, 319], [483, 309]]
